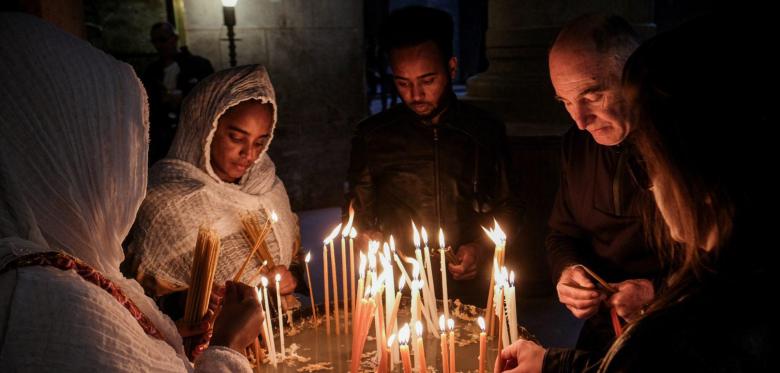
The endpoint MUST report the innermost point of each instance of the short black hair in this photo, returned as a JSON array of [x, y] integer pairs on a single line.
[[164, 26], [414, 25]]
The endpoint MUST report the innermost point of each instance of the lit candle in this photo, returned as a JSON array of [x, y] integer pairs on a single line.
[[278, 278], [512, 307], [429, 271], [443, 268], [451, 326], [415, 294], [419, 351], [390, 295], [482, 344], [334, 277], [344, 281], [352, 235], [264, 330], [385, 362], [504, 308], [445, 360], [267, 319], [311, 292], [499, 239], [403, 340], [396, 304], [398, 261], [325, 284]]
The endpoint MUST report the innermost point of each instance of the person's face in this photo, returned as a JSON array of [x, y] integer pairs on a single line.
[[164, 41], [421, 77], [241, 135], [586, 84]]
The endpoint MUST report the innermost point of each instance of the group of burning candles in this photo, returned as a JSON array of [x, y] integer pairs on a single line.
[[366, 290]]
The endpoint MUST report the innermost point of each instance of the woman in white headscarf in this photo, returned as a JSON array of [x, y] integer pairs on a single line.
[[72, 174], [217, 169]]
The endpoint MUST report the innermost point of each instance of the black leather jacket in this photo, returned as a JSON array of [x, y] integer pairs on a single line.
[[451, 175]]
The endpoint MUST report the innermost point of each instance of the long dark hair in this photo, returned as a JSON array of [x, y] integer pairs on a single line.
[[694, 123]]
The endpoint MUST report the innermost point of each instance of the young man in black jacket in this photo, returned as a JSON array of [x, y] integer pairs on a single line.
[[435, 160]]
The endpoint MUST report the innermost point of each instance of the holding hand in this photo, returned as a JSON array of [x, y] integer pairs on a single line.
[[631, 298], [522, 356], [467, 268], [574, 291], [238, 324]]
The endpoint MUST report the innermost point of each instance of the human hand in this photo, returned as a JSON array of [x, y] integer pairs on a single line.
[[238, 323], [467, 268], [288, 282], [574, 292], [522, 356], [631, 298]]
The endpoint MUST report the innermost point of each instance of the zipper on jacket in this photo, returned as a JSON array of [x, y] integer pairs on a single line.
[[436, 174]]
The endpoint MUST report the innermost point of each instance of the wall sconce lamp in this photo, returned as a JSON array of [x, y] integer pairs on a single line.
[[229, 12]]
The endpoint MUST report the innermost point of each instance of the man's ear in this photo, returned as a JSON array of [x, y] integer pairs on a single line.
[[452, 64]]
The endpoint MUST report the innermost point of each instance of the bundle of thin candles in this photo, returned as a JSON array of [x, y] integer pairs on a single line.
[[204, 266], [256, 233]]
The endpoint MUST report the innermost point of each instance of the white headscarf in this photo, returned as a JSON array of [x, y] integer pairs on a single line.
[[185, 193]]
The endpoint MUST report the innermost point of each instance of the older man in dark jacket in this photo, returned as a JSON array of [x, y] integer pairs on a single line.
[[435, 160]]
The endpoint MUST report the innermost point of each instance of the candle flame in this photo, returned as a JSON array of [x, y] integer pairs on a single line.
[[441, 239], [265, 263], [451, 324], [308, 257], [416, 235], [442, 324], [512, 278], [332, 235], [373, 247], [386, 249], [274, 217], [481, 322], [496, 234], [424, 235], [264, 281], [390, 340], [419, 328], [392, 244], [278, 277], [348, 227], [352, 233], [403, 334]]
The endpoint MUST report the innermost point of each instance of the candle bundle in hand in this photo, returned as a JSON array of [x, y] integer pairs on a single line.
[[204, 266], [255, 234]]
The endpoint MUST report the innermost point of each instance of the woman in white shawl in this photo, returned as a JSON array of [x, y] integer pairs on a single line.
[[217, 169], [72, 174]]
